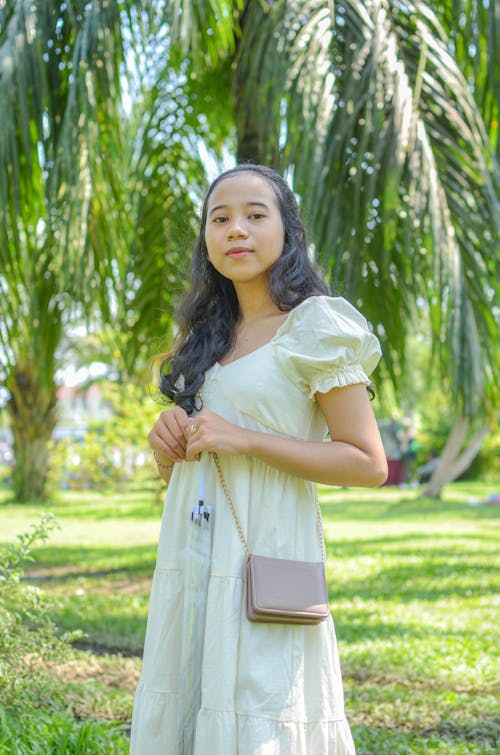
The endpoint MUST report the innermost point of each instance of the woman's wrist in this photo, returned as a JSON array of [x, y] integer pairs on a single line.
[[244, 441]]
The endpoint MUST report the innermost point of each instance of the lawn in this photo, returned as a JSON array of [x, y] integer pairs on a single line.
[[413, 588]]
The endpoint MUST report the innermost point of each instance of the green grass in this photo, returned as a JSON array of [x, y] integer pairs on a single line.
[[59, 735], [414, 594]]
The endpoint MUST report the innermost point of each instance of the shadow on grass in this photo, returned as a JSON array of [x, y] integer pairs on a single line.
[[486, 731], [70, 562], [145, 501], [405, 573], [425, 543], [406, 567], [405, 507], [358, 626]]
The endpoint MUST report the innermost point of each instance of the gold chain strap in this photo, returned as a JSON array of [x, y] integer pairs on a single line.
[[231, 505], [321, 534], [237, 521]]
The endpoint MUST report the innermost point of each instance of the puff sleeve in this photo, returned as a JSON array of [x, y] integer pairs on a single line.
[[325, 343]]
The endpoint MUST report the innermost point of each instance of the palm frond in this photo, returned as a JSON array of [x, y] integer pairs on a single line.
[[473, 32], [204, 31], [391, 157], [60, 69], [145, 209]]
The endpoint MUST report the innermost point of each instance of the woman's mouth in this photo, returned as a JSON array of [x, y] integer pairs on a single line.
[[237, 252]]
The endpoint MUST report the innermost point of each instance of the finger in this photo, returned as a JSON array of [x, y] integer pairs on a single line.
[[182, 419], [191, 430], [194, 449], [163, 441], [170, 423], [196, 431], [176, 443]]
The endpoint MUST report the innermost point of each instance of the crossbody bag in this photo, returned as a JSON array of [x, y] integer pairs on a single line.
[[279, 590]]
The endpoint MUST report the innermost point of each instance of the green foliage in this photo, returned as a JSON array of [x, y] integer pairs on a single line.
[[33, 715], [385, 118], [486, 465], [98, 210], [388, 144], [115, 450], [22, 733], [473, 29], [423, 394], [28, 636]]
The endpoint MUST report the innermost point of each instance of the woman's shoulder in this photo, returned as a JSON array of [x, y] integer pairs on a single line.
[[331, 313], [326, 343]]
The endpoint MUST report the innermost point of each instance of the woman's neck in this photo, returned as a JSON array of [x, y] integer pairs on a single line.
[[255, 302]]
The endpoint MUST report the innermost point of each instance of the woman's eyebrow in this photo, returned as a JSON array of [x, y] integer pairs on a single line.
[[248, 204]]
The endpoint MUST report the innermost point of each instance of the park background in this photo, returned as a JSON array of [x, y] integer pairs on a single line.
[[114, 116]]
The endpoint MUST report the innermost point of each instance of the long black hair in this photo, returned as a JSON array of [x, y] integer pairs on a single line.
[[209, 312]]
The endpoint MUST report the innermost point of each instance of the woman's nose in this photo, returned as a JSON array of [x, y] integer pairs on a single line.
[[236, 230]]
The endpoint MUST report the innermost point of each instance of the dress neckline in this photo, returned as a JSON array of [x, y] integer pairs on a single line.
[[259, 348], [250, 353], [276, 335]]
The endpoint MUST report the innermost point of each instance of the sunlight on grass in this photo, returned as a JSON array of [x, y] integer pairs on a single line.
[[413, 592]]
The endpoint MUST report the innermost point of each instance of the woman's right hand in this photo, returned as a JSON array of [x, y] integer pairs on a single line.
[[168, 435]]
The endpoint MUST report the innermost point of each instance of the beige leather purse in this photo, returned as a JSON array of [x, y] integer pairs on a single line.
[[279, 590]]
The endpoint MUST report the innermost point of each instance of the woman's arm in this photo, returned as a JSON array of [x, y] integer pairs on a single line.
[[353, 457]]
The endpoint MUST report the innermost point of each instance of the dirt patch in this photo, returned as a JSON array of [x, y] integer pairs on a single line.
[[122, 673]]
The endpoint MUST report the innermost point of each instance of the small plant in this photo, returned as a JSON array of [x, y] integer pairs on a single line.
[[35, 711], [59, 734], [28, 636]]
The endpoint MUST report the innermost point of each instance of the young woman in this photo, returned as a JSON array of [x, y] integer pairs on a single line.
[[266, 365]]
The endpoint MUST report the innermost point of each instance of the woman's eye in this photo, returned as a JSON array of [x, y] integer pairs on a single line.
[[256, 216], [220, 219]]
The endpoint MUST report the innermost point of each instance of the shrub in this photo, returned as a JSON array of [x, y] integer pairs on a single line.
[[28, 636], [34, 715], [114, 450]]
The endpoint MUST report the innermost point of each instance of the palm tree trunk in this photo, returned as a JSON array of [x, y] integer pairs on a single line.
[[455, 460], [248, 143], [33, 412], [249, 147]]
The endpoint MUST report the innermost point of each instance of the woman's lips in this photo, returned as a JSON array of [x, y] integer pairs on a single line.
[[238, 251]]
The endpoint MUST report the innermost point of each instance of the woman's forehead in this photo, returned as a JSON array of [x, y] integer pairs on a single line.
[[242, 188]]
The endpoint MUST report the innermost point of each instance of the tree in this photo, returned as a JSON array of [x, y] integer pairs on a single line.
[[362, 103], [90, 200], [56, 71], [365, 105]]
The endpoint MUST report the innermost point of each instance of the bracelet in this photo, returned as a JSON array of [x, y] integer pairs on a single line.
[[160, 465]]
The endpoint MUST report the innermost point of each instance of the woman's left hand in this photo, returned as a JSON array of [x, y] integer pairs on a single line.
[[211, 432]]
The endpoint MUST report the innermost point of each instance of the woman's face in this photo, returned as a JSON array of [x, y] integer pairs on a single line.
[[244, 232]]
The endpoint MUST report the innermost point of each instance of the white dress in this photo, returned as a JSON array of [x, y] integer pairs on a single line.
[[264, 689]]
